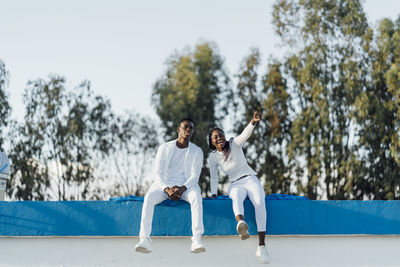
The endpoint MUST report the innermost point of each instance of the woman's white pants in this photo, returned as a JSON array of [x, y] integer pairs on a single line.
[[156, 195], [249, 186]]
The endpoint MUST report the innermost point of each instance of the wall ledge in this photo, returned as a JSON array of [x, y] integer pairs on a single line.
[[118, 219]]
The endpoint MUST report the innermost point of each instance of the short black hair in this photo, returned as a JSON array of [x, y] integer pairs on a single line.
[[186, 119], [213, 148]]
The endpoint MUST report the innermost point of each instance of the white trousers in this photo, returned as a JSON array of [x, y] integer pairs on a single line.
[[249, 186], [156, 195]]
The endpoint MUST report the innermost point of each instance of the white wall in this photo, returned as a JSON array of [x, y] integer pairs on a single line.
[[221, 251]]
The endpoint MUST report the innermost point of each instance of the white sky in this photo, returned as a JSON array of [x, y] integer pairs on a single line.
[[121, 46]]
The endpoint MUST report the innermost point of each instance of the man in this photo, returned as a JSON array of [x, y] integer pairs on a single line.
[[177, 169], [4, 174]]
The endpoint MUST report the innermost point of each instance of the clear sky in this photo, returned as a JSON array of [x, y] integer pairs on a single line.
[[121, 46]]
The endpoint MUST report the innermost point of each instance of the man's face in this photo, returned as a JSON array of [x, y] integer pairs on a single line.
[[186, 129]]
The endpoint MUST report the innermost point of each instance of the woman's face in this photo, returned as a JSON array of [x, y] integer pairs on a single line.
[[218, 139]]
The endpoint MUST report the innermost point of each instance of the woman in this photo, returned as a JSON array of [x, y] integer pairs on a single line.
[[228, 156]]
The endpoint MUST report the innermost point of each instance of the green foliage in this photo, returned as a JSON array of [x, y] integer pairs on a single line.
[[331, 124], [52, 150], [377, 113], [194, 85], [331, 108], [131, 160], [308, 99], [277, 107]]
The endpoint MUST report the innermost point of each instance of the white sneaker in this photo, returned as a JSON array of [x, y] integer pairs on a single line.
[[144, 245], [263, 255], [241, 228], [197, 245]]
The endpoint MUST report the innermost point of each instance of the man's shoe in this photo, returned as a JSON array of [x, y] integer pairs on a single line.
[[263, 255], [197, 246], [143, 246], [242, 228]]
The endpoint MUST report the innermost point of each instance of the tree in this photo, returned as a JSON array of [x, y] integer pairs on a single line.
[[5, 108], [378, 114], [278, 107], [324, 72], [194, 85], [52, 150], [131, 160]]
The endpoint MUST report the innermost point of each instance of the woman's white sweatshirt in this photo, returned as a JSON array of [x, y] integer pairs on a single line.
[[235, 165]]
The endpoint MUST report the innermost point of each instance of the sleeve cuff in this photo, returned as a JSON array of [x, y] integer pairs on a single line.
[[187, 185]]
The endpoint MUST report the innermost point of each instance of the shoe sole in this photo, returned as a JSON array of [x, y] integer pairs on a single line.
[[263, 261], [142, 250], [198, 250], [242, 230]]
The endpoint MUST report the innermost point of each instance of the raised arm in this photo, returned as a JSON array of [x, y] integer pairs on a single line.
[[242, 138]]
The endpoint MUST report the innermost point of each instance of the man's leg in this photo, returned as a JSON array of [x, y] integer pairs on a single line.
[[193, 196], [154, 196]]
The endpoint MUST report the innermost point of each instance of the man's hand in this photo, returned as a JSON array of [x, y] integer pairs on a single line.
[[170, 192], [178, 191]]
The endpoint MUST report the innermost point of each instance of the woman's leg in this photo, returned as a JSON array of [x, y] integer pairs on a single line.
[[257, 197], [238, 195], [239, 217], [261, 238]]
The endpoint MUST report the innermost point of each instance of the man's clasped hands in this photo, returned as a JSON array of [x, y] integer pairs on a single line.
[[175, 192]]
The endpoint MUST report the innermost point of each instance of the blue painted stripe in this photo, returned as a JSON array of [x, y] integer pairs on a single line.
[[111, 218]]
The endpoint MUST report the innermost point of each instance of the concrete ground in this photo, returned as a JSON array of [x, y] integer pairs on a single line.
[[221, 251]]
